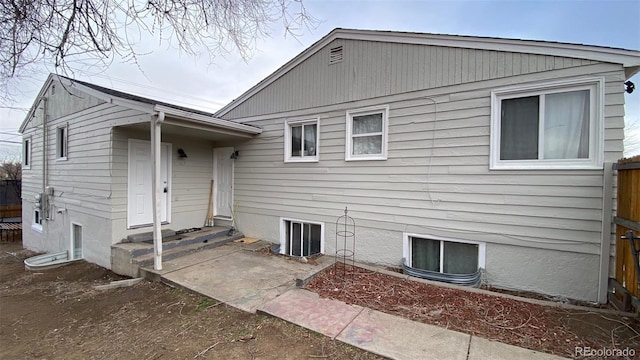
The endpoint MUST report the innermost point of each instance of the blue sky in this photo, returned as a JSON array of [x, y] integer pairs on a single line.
[[171, 76]]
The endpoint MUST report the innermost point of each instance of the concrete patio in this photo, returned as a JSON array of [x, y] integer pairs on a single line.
[[237, 274]]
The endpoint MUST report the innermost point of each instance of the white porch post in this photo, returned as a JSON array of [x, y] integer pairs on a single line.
[[157, 190]]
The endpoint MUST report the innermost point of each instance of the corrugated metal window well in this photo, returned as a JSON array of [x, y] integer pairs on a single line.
[[446, 261]]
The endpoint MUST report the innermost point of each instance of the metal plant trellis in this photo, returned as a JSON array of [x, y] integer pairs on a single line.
[[345, 244]]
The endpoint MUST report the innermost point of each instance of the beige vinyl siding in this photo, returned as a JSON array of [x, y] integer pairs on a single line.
[[81, 183], [374, 69], [82, 180], [434, 183], [190, 180]]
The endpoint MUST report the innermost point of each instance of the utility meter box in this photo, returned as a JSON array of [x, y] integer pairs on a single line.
[[37, 203]]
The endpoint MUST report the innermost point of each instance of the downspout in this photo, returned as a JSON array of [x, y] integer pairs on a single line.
[[605, 244], [157, 188]]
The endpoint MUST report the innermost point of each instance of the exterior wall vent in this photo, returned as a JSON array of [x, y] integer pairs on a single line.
[[335, 55]]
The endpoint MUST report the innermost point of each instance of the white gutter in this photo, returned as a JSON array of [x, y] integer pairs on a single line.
[[208, 120], [156, 176]]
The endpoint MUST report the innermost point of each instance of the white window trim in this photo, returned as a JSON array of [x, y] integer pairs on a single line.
[[283, 232], [406, 247], [349, 130], [65, 141], [34, 225], [287, 139], [26, 162], [596, 125], [72, 238]]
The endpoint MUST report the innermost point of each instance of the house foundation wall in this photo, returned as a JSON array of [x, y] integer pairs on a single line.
[[56, 232], [562, 274], [556, 273]]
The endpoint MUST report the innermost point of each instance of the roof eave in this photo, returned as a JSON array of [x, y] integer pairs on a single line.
[[590, 52], [631, 70]]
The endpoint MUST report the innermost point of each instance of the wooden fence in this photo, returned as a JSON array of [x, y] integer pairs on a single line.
[[10, 211], [628, 223], [10, 232], [10, 225]]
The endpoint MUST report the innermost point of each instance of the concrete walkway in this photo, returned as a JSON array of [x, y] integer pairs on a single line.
[[235, 274], [388, 335]]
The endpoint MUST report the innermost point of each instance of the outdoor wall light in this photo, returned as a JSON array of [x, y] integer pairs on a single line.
[[234, 155], [629, 87], [181, 153]]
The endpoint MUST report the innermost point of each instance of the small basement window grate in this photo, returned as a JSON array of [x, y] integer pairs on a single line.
[[335, 55]]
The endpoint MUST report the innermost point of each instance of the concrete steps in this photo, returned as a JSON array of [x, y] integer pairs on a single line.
[[128, 258]]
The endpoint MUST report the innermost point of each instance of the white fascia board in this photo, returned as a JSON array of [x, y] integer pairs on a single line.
[[625, 57], [132, 104], [628, 58], [208, 120]]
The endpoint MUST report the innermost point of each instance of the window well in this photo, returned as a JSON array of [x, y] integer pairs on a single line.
[[451, 261]]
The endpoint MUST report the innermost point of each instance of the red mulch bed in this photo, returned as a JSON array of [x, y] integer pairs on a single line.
[[543, 328]]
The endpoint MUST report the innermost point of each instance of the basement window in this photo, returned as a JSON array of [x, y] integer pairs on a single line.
[[37, 220], [301, 238], [441, 259], [76, 241]]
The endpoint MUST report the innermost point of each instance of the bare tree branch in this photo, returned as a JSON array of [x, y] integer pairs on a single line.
[[67, 33]]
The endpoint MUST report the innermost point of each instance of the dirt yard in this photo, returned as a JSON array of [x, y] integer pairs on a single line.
[[57, 314], [542, 328]]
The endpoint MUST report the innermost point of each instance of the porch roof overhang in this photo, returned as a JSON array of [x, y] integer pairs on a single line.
[[194, 120]]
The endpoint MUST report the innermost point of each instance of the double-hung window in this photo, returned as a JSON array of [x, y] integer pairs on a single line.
[[367, 134], [549, 126], [61, 142], [26, 153], [441, 255], [301, 140]]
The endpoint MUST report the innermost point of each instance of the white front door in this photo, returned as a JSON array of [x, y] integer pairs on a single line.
[[140, 202], [223, 182]]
